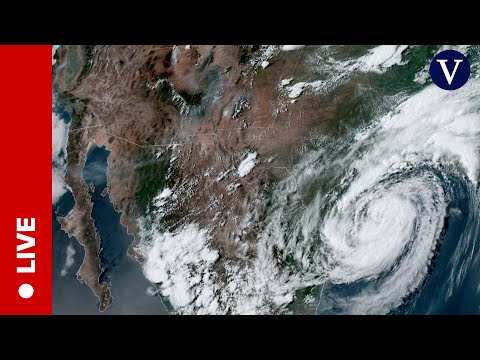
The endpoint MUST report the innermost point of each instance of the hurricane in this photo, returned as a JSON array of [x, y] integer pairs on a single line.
[[381, 219], [368, 215]]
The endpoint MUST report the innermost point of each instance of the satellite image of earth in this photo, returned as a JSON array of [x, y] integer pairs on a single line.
[[264, 179]]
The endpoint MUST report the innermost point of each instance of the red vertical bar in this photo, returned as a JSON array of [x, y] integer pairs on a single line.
[[26, 179]]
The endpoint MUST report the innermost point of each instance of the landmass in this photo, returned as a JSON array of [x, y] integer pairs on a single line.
[[214, 125]]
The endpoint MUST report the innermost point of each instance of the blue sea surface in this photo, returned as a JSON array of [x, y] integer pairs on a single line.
[[128, 283], [444, 291]]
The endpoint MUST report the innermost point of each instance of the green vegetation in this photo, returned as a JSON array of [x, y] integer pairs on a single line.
[[246, 52], [299, 306], [87, 60], [151, 174], [76, 111], [76, 65], [166, 94], [208, 60]]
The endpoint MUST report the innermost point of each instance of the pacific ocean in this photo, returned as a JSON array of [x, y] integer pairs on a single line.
[[128, 283]]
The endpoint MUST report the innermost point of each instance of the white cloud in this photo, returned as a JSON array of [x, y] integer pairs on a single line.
[[69, 260], [460, 48], [432, 126], [286, 82], [292, 47], [377, 59], [165, 193], [247, 164], [382, 57], [296, 90], [59, 143], [59, 136], [58, 185], [54, 50], [181, 263]]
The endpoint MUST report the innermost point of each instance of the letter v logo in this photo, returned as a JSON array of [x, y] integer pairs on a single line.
[[445, 70], [450, 70]]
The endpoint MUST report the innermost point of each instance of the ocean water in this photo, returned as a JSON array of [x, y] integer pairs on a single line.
[[129, 285], [438, 294], [399, 231]]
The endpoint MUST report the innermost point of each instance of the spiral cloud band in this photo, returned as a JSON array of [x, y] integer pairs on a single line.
[[362, 217]]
